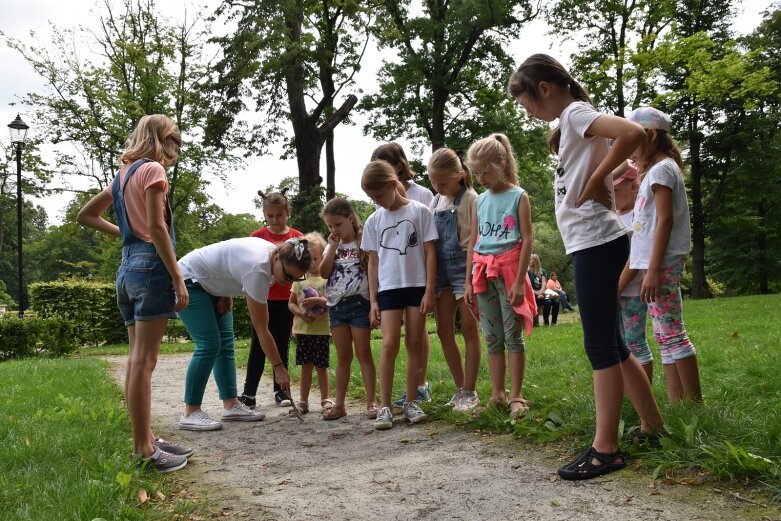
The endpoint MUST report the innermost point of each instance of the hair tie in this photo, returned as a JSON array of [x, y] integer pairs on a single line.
[[298, 247]]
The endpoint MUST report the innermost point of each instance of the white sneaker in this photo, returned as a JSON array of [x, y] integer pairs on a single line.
[[469, 401], [384, 419], [414, 413], [198, 421], [241, 413], [456, 397]]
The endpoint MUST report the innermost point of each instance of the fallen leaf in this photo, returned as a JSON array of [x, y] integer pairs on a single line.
[[159, 496], [142, 496]]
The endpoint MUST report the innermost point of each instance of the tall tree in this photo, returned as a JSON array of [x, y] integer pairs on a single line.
[[102, 79], [451, 67], [615, 38], [292, 58]]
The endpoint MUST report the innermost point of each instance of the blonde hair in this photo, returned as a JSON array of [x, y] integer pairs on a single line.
[[341, 207], [378, 175], [155, 137], [276, 199], [394, 154], [492, 150], [315, 239], [448, 160], [534, 264]]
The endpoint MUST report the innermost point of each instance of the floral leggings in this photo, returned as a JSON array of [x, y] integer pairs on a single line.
[[666, 318]]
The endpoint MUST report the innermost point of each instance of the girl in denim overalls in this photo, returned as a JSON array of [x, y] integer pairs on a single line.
[[150, 287], [452, 215]]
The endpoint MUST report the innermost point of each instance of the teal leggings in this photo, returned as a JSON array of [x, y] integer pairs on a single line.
[[213, 336]]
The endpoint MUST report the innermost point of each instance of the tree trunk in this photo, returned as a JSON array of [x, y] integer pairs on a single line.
[[762, 277], [699, 287], [438, 118], [330, 166]]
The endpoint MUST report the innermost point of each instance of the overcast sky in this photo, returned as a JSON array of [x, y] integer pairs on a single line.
[[18, 18]]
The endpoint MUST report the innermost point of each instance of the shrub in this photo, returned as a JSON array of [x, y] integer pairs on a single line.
[[241, 320], [90, 306], [32, 336]]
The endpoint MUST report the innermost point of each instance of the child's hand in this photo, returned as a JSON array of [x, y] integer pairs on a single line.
[[282, 377], [223, 305], [306, 317], [428, 302], [597, 191], [182, 295], [334, 240], [516, 296], [650, 288], [469, 295], [310, 302], [374, 314]]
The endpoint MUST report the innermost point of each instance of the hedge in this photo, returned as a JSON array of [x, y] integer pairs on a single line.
[[34, 336], [90, 306]]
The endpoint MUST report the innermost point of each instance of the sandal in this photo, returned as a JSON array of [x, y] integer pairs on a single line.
[[327, 405], [652, 439], [303, 408], [334, 413], [371, 411], [584, 467], [518, 412]]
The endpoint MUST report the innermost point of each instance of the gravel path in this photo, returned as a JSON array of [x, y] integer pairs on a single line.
[[280, 468]]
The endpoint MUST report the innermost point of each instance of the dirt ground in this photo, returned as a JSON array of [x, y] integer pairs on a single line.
[[280, 468]]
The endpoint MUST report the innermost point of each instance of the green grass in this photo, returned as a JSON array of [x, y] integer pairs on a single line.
[[65, 447], [735, 435]]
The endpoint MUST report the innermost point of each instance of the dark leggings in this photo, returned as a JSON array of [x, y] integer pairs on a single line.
[[280, 322], [549, 305], [597, 271]]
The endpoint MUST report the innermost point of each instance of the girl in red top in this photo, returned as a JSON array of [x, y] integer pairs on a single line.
[[276, 212]]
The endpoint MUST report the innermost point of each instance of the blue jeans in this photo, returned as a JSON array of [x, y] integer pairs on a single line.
[[144, 288], [214, 344]]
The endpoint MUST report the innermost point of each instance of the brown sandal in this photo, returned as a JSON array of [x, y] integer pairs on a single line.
[[303, 408], [518, 412], [371, 411], [334, 413]]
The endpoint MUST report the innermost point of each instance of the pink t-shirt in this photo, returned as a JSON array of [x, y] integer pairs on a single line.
[[149, 174]]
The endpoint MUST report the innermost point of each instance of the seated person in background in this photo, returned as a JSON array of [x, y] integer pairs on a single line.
[[555, 286], [539, 281]]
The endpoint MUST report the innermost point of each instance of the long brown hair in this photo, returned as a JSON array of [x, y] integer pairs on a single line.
[[541, 67], [394, 154], [659, 142], [341, 207]]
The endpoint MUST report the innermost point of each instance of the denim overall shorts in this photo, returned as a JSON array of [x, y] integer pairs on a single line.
[[451, 257], [144, 287]]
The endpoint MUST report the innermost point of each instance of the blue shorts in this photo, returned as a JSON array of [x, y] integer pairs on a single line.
[[144, 288], [400, 298], [451, 272], [351, 311]]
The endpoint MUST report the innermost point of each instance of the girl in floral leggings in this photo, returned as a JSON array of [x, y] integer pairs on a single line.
[[660, 245]]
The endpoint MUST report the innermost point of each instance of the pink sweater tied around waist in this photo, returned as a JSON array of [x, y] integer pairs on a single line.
[[505, 264]]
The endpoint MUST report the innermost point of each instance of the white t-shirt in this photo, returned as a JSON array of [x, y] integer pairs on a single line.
[[664, 173], [230, 268], [592, 224], [633, 288], [347, 277], [398, 238], [419, 193]]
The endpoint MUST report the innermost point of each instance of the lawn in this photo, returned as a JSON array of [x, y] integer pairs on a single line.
[[734, 436]]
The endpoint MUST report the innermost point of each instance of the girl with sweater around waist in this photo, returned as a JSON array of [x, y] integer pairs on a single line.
[[497, 260], [592, 232], [399, 237], [660, 245], [452, 208], [215, 274], [344, 265]]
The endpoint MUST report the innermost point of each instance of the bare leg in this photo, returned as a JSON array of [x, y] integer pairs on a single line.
[[649, 371], [425, 348], [391, 336], [638, 388], [472, 343], [608, 394], [306, 381], [322, 382], [344, 358], [363, 352], [689, 373], [446, 330], [414, 333], [496, 369], [143, 359], [517, 363]]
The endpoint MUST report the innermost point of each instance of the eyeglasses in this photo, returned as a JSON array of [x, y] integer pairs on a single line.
[[289, 277]]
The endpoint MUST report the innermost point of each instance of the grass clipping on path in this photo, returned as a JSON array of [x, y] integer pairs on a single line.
[[65, 447]]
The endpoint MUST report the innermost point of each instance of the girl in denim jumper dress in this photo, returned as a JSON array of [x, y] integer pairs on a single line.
[[150, 287], [453, 219]]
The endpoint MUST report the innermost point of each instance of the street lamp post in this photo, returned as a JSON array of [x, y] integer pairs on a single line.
[[18, 129]]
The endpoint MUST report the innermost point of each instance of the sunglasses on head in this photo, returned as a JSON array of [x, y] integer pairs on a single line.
[[289, 277]]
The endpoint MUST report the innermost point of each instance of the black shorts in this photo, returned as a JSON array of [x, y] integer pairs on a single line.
[[400, 298]]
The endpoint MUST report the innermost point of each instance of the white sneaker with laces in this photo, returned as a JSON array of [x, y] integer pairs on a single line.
[[241, 413], [456, 397], [469, 401], [384, 419], [198, 421], [414, 413]]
